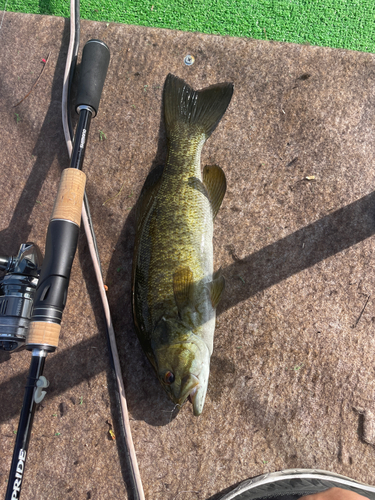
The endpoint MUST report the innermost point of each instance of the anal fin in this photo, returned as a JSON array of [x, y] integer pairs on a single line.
[[216, 185], [216, 287]]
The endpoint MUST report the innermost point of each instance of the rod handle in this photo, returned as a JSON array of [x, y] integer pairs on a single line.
[[42, 333], [94, 65], [68, 203], [61, 244]]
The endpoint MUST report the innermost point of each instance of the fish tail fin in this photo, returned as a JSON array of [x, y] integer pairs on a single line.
[[199, 112]]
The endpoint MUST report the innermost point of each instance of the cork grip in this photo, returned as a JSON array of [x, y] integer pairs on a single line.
[[68, 204], [42, 333]]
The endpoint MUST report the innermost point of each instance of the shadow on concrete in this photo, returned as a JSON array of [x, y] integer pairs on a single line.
[[322, 239], [306, 247], [47, 147]]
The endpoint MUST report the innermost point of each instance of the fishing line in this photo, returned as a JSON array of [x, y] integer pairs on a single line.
[[77, 36], [90, 235], [5, 8]]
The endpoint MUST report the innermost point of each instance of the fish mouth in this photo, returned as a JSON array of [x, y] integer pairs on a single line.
[[194, 392], [193, 395], [197, 397], [190, 385]]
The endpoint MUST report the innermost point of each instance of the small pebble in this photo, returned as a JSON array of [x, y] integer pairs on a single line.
[[63, 407]]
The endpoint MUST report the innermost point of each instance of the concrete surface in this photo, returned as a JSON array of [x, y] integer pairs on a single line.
[[292, 381]]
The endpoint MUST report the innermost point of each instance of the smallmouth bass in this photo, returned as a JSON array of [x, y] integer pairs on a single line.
[[174, 289]]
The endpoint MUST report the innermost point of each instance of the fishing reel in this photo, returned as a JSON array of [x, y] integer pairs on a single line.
[[17, 290]]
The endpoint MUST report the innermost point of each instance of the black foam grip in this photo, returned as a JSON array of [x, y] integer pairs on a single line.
[[94, 65]]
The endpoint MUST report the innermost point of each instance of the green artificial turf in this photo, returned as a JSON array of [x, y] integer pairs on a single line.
[[348, 24]]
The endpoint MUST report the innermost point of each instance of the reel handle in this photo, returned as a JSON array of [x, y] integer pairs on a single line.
[[94, 65]]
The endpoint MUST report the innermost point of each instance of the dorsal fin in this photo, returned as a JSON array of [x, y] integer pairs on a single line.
[[149, 190], [145, 201]]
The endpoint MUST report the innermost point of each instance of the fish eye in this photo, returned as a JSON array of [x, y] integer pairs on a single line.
[[169, 378]]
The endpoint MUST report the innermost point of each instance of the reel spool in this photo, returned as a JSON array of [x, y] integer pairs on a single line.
[[17, 292]]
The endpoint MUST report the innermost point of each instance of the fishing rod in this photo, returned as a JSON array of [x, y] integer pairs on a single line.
[[18, 286], [46, 293], [134, 476]]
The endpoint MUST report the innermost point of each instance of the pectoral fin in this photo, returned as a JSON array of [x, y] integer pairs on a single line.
[[183, 288], [216, 185], [216, 287]]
